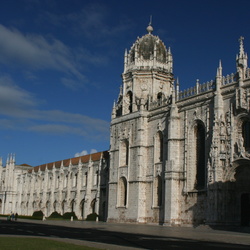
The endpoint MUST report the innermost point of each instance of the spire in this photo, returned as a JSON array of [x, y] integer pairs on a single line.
[[173, 94], [177, 89], [113, 114], [241, 60], [241, 54], [125, 59], [219, 70], [14, 158], [218, 78], [170, 60], [80, 160], [8, 159]]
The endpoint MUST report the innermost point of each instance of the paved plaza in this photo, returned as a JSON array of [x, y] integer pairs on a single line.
[[130, 236]]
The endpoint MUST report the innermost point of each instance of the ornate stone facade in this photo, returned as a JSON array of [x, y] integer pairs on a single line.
[[179, 158], [74, 185], [176, 157]]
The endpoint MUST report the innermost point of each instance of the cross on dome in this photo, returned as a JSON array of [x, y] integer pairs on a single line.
[[150, 28]]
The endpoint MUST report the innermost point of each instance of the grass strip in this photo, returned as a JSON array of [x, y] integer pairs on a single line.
[[22, 243]]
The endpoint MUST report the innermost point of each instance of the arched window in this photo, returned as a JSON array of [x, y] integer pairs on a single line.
[[34, 206], [96, 178], [159, 99], [65, 183], [49, 180], [55, 206], [159, 147], [63, 206], [122, 192], [200, 138], [246, 134], [124, 153], [72, 205], [57, 181], [85, 181], [158, 191], [93, 203], [75, 180], [130, 101], [82, 208]]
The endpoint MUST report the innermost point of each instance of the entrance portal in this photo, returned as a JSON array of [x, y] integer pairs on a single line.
[[245, 209]]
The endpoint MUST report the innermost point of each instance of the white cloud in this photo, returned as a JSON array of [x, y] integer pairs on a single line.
[[92, 151], [91, 21], [19, 110], [36, 52], [85, 152], [14, 100]]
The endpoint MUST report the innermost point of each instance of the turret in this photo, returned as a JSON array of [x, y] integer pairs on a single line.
[[241, 61], [218, 101], [218, 80]]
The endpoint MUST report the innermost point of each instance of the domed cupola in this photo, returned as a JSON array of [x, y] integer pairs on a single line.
[[147, 78], [148, 52]]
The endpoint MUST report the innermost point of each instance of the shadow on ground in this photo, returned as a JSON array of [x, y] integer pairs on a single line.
[[101, 235]]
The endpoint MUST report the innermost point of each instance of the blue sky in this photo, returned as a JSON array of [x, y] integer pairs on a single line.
[[61, 63]]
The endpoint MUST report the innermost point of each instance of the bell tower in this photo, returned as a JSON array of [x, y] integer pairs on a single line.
[[138, 119], [147, 76]]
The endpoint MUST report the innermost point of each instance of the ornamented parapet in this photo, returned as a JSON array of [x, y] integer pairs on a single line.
[[228, 79], [208, 86], [196, 90]]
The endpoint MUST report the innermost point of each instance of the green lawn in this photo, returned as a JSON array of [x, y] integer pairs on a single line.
[[22, 243]]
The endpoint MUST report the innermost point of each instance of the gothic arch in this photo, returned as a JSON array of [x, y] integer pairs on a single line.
[[27, 207], [243, 127], [93, 206], [129, 102], [64, 206], [158, 147], [160, 98], [82, 208], [230, 176], [122, 192], [22, 207], [40, 205], [239, 179], [34, 207], [124, 153], [157, 191], [197, 156], [55, 205], [72, 205]]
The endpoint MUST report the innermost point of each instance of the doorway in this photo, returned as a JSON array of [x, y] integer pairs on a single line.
[[245, 209]]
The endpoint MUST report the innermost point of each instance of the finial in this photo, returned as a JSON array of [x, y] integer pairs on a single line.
[[241, 46], [177, 82], [150, 28]]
